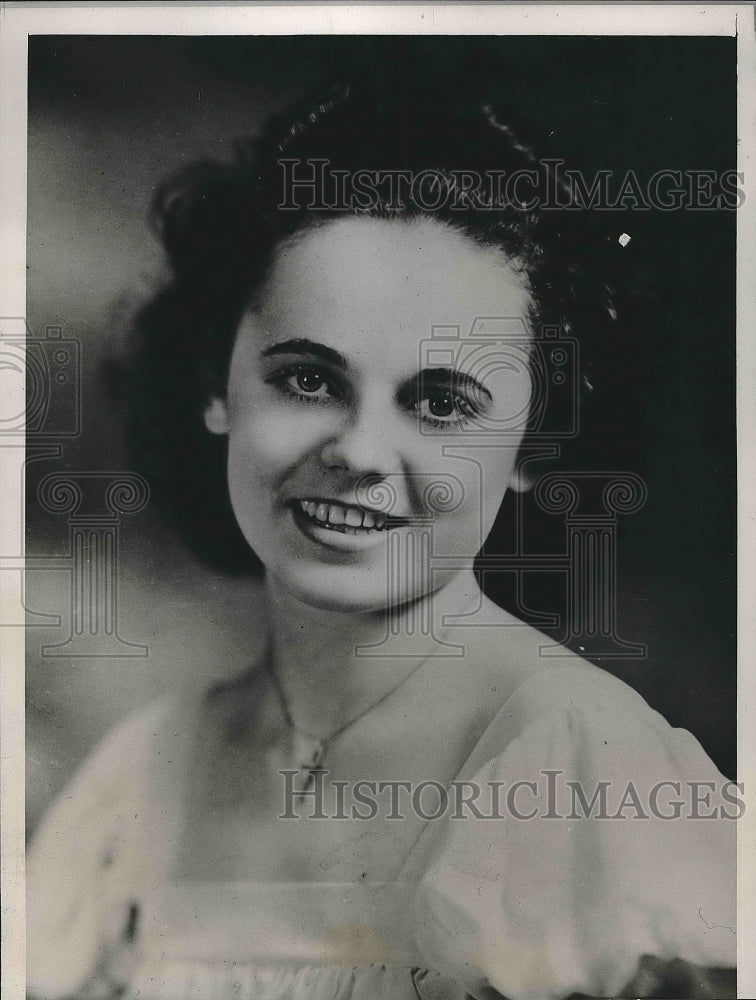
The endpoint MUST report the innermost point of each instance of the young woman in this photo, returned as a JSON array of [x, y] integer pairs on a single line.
[[402, 797]]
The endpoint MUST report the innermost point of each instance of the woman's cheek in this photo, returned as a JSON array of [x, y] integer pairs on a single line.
[[278, 437], [483, 478]]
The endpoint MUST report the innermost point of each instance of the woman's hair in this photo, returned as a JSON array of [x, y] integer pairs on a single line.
[[353, 149]]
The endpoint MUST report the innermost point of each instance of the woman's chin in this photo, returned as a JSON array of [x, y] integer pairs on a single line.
[[344, 596], [357, 594]]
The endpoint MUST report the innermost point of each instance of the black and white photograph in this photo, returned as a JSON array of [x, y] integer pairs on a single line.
[[375, 571]]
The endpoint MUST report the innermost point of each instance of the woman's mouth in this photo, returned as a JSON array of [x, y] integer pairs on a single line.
[[346, 519]]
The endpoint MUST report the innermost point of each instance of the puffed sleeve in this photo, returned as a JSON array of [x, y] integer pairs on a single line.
[[80, 896], [599, 835]]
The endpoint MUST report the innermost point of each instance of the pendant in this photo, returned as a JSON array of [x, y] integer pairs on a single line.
[[311, 753]]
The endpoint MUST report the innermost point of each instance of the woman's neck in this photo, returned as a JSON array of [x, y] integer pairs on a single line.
[[322, 658]]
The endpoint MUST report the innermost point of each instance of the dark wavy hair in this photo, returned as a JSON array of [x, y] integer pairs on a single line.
[[221, 224]]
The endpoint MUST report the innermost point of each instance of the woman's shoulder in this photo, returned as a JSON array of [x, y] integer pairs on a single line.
[[567, 709], [135, 758], [109, 826], [143, 726], [532, 675], [585, 833], [143, 739]]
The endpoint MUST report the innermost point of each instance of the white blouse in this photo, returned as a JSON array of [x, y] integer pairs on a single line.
[[586, 850]]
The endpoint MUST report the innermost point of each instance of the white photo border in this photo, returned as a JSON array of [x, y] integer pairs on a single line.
[[20, 20]]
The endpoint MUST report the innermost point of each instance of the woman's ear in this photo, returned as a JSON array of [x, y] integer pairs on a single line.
[[522, 479], [529, 469], [216, 416]]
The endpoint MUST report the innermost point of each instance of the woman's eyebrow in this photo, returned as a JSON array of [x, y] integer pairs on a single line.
[[303, 346], [454, 378]]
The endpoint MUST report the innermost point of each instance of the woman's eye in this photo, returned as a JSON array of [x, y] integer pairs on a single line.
[[310, 381], [306, 383], [444, 408]]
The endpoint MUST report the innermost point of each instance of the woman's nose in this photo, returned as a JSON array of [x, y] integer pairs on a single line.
[[365, 443]]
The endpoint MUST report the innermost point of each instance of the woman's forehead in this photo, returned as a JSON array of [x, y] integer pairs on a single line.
[[390, 284]]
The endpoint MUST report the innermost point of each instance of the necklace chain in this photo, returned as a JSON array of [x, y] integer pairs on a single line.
[[322, 744]]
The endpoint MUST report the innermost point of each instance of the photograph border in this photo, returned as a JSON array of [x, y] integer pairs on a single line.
[[20, 20]]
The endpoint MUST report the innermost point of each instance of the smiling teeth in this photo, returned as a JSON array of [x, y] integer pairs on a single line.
[[346, 519]]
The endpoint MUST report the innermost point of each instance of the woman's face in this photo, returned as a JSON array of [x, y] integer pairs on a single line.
[[384, 372]]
